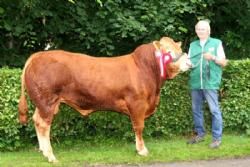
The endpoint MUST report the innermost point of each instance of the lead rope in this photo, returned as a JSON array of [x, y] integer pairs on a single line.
[[198, 63]]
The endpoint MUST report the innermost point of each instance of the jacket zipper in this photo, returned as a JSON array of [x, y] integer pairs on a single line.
[[201, 62]]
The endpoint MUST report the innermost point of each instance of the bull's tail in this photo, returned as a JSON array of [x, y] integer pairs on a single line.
[[23, 106]]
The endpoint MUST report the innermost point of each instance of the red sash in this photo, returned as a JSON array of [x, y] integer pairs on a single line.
[[163, 59]]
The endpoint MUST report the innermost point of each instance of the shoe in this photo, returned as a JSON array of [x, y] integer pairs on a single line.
[[196, 139], [215, 144]]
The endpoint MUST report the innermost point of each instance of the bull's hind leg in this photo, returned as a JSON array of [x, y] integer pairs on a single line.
[[42, 125], [36, 127]]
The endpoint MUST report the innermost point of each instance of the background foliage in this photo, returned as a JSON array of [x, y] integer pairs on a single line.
[[115, 27], [173, 116]]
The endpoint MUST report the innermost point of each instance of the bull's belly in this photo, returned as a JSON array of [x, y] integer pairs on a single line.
[[87, 105]]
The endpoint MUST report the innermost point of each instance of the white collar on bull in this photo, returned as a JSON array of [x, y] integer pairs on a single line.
[[163, 57]]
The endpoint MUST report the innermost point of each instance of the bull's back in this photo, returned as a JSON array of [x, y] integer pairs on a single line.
[[95, 72], [79, 79], [52, 64]]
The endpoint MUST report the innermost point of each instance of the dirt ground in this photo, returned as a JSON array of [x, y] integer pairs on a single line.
[[240, 162]]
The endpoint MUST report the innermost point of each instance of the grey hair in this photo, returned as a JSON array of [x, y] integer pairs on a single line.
[[205, 22]]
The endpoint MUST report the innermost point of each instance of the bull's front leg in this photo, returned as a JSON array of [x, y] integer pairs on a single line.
[[138, 126], [140, 146]]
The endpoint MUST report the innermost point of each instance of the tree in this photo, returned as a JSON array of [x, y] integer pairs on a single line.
[[114, 27]]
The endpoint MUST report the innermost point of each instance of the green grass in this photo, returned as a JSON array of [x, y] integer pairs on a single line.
[[78, 154]]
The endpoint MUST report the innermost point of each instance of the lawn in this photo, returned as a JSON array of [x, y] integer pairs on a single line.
[[111, 151]]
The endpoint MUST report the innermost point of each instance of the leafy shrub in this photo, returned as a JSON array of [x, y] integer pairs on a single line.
[[9, 125], [173, 115], [236, 96]]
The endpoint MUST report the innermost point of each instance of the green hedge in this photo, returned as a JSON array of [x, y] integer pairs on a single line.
[[173, 116]]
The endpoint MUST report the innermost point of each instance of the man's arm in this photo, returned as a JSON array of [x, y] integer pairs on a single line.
[[220, 59]]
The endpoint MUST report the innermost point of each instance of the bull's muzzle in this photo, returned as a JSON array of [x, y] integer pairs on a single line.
[[183, 62], [178, 56]]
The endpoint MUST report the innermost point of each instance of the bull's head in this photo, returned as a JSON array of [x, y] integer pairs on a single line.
[[179, 60]]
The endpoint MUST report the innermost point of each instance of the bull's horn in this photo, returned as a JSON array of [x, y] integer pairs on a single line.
[[156, 45]]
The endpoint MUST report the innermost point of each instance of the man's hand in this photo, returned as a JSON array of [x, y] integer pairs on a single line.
[[222, 62], [209, 56]]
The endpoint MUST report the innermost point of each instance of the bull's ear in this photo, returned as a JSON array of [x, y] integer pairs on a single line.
[[179, 44]]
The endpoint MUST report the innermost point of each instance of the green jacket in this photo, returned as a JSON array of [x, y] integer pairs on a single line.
[[205, 74]]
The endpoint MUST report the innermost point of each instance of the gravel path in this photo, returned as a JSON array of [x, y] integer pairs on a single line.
[[240, 162]]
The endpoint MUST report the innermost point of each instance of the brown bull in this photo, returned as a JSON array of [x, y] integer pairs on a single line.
[[129, 84]]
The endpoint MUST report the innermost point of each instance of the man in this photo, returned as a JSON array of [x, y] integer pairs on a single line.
[[207, 57]]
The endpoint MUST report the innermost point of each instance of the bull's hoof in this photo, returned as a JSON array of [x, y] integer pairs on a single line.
[[143, 152], [51, 157], [53, 160]]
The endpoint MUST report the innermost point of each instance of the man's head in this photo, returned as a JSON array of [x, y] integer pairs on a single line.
[[202, 29]]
